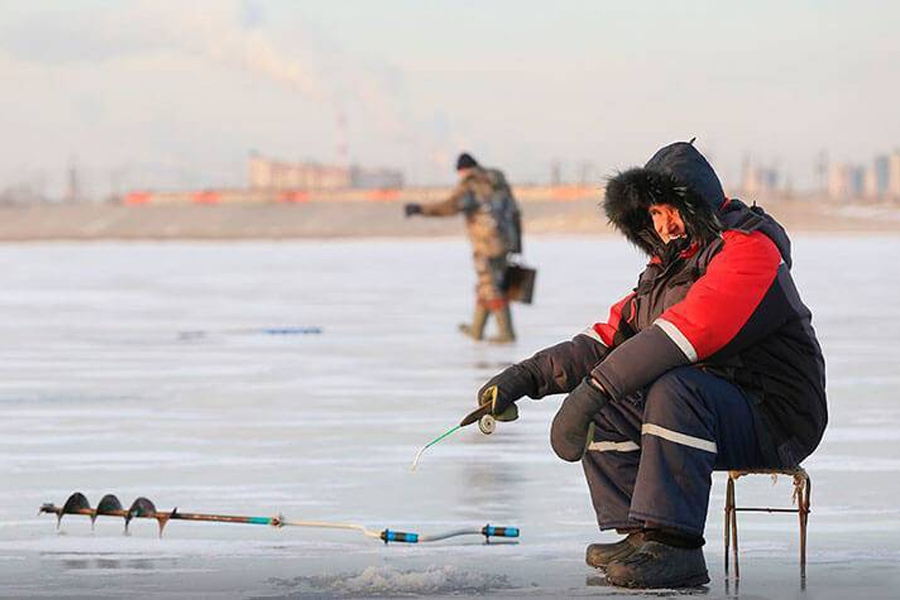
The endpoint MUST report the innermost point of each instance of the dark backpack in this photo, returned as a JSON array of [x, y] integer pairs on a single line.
[[505, 212]]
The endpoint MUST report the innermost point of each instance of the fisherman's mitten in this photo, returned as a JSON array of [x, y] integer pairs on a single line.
[[412, 209], [502, 391], [569, 432]]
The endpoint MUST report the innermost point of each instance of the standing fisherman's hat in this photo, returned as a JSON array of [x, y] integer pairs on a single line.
[[465, 161]]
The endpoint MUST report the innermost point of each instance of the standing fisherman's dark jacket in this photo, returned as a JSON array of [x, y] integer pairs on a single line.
[[722, 299]]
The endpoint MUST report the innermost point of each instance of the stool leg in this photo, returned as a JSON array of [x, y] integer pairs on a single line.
[[734, 535], [729, 506], [803, 510]]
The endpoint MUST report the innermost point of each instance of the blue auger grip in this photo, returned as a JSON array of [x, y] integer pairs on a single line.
[[491, 531], [399, 536]]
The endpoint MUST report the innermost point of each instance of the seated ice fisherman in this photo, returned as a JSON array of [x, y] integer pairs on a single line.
[[710, 363]]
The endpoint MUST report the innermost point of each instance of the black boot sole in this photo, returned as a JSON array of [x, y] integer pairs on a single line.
[[697, 580]]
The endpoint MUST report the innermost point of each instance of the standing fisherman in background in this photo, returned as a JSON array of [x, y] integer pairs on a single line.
[[493, 223]]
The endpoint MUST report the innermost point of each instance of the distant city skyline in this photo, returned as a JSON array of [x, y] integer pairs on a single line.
[[161, 94]]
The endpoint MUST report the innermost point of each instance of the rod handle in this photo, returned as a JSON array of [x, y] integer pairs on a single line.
[[492, 531], [484, 409], [399, 536]]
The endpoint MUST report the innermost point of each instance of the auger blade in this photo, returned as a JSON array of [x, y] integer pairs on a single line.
[[109, 505], [142, 507], [163, 518], [76, 504]]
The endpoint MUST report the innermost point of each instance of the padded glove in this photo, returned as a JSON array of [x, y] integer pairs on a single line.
[[502, 391], [572, 423]]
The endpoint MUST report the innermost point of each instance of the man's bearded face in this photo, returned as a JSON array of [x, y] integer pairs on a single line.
[[667, 222]]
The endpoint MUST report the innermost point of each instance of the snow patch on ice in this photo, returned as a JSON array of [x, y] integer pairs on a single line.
[[388, 581]]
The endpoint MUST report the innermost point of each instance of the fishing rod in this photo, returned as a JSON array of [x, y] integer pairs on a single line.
[[142, 508], [482, 415], [199, 333]]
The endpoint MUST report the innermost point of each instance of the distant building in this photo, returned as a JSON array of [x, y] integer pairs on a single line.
[[881, 174], [893, 177], [870, 183], [757, 180], [845, 181], [375, 179], [876, 179], [278, 175], [275, 175]]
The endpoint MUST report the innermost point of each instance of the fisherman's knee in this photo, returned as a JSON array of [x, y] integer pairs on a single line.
[[672, 395]]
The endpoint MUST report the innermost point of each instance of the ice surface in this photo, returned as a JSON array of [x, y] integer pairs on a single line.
[[98, 393]]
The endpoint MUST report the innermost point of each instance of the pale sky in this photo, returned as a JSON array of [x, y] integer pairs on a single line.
[[166, 94]]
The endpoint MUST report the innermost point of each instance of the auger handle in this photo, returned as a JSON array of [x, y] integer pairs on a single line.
[[492, 531], [399, 536]]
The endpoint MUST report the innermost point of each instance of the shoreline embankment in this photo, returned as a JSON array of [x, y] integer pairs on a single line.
[[571, 212]]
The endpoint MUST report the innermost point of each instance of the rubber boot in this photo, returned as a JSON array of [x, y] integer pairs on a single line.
[[657, 565], [476, 329], [505, 333], [600, 555]]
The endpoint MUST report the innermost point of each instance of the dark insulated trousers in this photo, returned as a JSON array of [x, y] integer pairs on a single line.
[[653, 453]]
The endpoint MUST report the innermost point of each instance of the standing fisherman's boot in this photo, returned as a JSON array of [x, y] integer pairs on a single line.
[[505, 334], [600, 555], [476, 329]]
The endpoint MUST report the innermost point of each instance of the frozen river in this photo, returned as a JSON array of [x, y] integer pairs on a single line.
[[99, 393]]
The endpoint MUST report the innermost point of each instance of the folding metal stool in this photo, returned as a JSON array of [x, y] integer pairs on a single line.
[[802, 488]]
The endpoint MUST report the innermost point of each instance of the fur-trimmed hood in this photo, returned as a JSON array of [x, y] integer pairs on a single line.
[[677, 175]]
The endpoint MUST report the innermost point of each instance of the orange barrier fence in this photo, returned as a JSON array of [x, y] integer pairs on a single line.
[[293, 196], [207, 197], [138, 198], [423, 194]]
